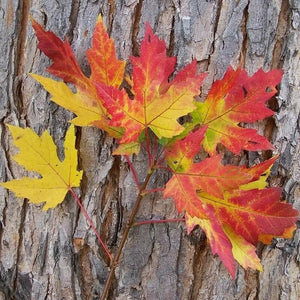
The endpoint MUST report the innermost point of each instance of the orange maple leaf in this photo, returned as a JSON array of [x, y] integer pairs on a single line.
[[157, 103]]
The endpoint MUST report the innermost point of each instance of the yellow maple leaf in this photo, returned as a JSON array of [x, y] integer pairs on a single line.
[[39, 154], [87, 108]]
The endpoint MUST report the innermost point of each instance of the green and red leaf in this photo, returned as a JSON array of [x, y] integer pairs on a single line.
[[234, 99]]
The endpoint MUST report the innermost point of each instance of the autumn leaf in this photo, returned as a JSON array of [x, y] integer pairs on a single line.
[[105, 68], [157, 103], [234, 99], [230, 203], [39, 154], [98, 101], [209, 175], [236, 223]]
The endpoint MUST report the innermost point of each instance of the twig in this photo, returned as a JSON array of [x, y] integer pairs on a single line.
[[148, 148], [129, 224]]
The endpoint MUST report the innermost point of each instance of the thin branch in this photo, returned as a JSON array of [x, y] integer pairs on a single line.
[[129, 224], [143, 147], [91, 224], [158, 155], [155, 148]]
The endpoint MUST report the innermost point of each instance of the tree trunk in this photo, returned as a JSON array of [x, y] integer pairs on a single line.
[[55, 254]]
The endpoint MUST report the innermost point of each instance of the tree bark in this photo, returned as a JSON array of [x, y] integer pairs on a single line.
[[55, 254]]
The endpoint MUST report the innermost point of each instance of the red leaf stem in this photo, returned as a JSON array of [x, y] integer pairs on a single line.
[[133, 172], [158, 221], [92, 225]]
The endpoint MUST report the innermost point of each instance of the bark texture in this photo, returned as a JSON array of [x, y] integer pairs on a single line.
[[54, 254]]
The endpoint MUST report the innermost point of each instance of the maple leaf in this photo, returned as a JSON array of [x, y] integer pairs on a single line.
[[105, 68], [157, 103], [244, 217], [230, 203], [234, 99], [39, 154], [209, 175], [235, 224]]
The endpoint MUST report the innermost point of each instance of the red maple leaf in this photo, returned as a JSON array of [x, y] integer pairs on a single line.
[[234, 99], [229, 202], [105, 68], [157, 103]]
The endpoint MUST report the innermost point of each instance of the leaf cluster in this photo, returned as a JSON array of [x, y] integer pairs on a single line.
[[230, 203]]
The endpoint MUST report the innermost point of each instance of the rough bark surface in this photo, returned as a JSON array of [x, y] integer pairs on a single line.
[[54, 254]]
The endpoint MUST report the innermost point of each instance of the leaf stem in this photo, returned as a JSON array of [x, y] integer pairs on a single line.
[[133, 171], [155, 148], [164, 168], [148, 148], [129, 224], [145, 192], [91, 224], [158, 221]]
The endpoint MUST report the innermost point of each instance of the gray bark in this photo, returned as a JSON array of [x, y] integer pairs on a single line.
[[54, 254]]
